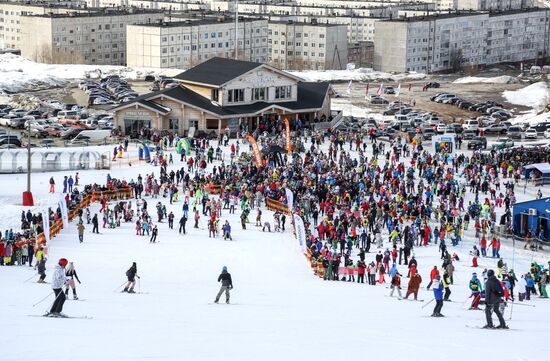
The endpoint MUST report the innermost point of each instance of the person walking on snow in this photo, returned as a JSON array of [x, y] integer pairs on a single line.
[[131, 274], [70, 272], [58, 281], [414, 285], [81, 232], [52, 185], [438, 296], [493, 294], [227, 284], [396, 284]]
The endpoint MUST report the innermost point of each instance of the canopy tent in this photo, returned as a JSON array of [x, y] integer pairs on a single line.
[[538, 170]]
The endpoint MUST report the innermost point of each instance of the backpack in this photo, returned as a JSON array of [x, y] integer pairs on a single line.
[[128, 273]]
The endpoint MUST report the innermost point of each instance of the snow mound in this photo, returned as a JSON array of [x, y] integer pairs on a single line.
[[503, 79], [360, 74], [18, 74], [535, 95]]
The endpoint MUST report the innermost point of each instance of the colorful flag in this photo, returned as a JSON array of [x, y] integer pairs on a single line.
[[398, 90], [288, 145], [255, 150], [380, 90], [349, 87]]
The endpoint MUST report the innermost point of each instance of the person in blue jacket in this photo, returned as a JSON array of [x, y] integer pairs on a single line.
[[227, 231], [437, 286]]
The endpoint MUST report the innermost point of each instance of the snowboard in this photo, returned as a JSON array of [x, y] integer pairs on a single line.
[[47, 315]]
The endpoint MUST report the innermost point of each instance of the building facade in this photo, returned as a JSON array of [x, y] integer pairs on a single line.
[[184, 44], [83, 38], [223, 93], [448, 42], [304, 46]]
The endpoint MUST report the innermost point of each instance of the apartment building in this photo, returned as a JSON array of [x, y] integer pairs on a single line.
[[85, 38], [11, 12], [299, 46], [183, 44], [443, 42]]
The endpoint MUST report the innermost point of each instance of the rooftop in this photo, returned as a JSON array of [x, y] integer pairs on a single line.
[[197, 21], [292, 22], [95, 12], [217, 71]]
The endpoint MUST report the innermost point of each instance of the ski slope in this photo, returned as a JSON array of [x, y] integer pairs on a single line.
[[279, 310]]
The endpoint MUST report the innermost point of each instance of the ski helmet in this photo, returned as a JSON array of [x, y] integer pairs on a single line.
[[224, 268], [63, 262]]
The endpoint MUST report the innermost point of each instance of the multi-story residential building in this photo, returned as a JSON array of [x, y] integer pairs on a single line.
[[493, 5], [313, 45], [442, 42], [183, 44], [86, 38], [361, 54], [221, 94], [515, 36], [12, 11]]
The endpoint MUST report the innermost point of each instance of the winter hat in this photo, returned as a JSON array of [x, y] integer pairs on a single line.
[[63, 262], [224, 268], [490, 273]]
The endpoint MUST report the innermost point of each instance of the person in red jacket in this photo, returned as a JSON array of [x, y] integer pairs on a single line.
[[396, 285], [483, 246], [433, 273], [361, 271]]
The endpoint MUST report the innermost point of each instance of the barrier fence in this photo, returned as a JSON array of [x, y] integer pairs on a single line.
[[274, 205], [57, 226]]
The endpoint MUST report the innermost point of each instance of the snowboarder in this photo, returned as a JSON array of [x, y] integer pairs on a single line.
[[438, 296], [475, 287], [493, 294], [70, 272], [227, 284], [131, 274], [58, 281]]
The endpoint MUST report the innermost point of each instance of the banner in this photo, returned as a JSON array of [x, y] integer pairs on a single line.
[[64, 211], [288, 145], [46, 224], [300, 231], [256, 151], [289, 198], [187, 145]]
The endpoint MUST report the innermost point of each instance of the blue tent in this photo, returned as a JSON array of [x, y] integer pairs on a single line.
[[532, 216], [538, 171]]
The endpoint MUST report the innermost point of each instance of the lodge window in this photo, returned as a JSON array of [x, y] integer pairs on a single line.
[[283, 92], [214, 94], [259, 94], [235, 95]]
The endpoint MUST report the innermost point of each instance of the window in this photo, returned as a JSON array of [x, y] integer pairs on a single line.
[[214, 93], [259, 94], [173, 124], [235, 95], [283, 92]]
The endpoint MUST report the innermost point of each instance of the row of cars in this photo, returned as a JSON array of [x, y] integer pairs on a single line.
[[491, 110], [389, 90], [108, 91]]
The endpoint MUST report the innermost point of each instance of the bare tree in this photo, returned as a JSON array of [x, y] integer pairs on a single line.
[[456, 60]]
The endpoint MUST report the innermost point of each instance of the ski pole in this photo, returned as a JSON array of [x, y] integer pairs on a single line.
[[42, 300], [522, 304], [56, 297], [116, 289], [511, 311], [430, 301], [30, 278], [139, 284]]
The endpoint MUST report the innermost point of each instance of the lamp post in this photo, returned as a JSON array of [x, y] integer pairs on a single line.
[[27, 196]]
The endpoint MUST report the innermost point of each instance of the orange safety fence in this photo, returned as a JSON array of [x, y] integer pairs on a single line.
[[274, 205], [57, 226]]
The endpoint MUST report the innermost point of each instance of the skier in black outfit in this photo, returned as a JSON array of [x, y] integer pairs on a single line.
[[131, 274], [183, 221], [95, 222], [493, 294], [154, 234], [227, 284]]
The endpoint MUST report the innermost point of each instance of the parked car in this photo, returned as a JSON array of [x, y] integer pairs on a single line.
[[503, 143], [531, 133], [13, 140], [428, 133], [547, 133], [495, 129], [478, 143], [389, 90], [432, 84], [456, 127], [378, 100], [468, 134], [541, 127], [515, 132], [471, 124], [35, 132]]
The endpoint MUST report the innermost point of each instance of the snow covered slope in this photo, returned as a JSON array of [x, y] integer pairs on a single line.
[[279, 310]]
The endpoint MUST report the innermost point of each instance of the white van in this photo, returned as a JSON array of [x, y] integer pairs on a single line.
[[96, 136], [67, 114], [471, 124]]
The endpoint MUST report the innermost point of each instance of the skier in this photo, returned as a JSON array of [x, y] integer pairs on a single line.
[[396, 284], [446, 280], [475, 287], [81, 232], [70, 272], [131, 274], [171, 220], [227, 284], [493, 294], [183, 221], [227, 231], [58, 281], [41, 266], [95, 223], [52, 185], [154, 234], [438, 296]]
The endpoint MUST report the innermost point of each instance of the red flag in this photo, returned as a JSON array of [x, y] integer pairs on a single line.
[[367, 91], [288, 145], [256, 151]]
